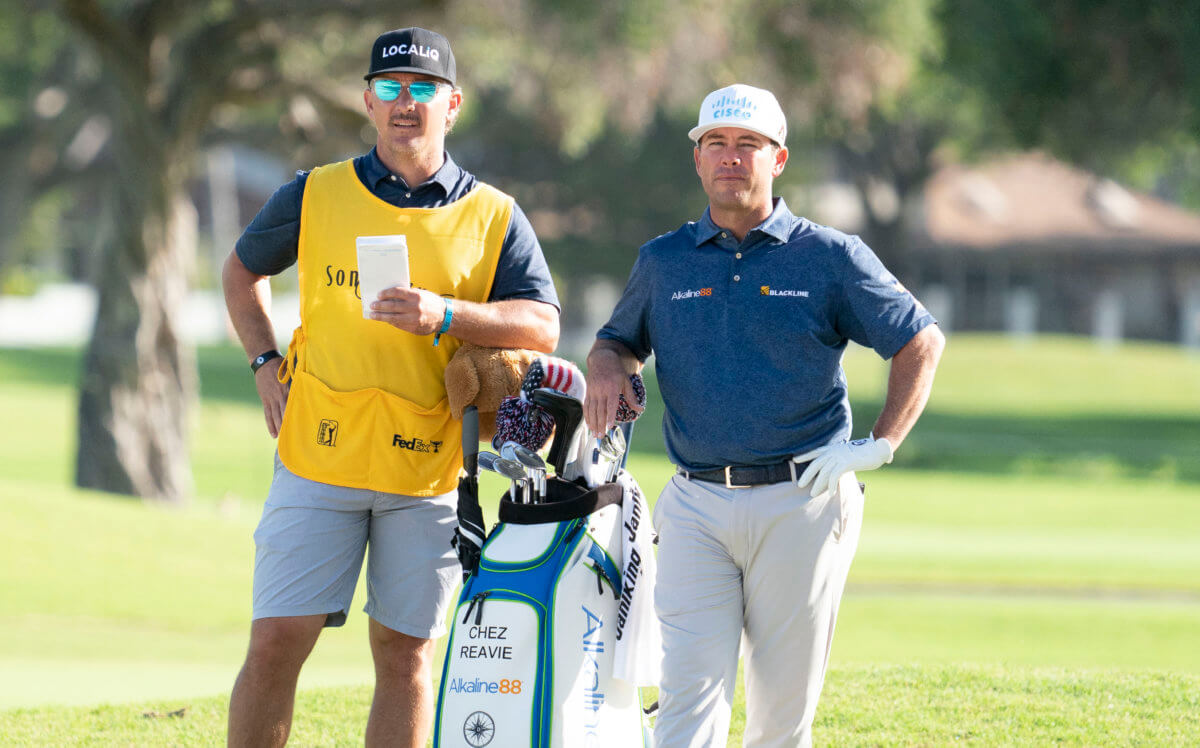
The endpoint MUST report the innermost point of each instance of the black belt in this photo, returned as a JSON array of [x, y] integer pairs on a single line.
[[744, 476]]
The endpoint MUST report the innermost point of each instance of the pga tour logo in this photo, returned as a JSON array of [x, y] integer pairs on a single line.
[[409, 49]]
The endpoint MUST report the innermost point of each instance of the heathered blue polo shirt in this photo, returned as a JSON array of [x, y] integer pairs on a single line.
[[748, 337], [269, 244]]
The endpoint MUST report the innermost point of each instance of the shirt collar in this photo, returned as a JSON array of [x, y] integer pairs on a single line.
[[778, 225], [445, 177]]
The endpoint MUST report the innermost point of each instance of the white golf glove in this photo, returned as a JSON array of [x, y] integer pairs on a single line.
[[831, 462]]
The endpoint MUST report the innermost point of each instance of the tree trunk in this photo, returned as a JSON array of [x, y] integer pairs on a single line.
[[139, 375]]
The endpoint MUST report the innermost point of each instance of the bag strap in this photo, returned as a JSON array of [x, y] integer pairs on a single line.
[[470, 533]]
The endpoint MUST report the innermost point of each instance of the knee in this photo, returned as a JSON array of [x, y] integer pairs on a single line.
[[401, 655], [278, 642]]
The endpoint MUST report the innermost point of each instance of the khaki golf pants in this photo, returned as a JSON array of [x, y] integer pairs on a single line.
[[763, 567]]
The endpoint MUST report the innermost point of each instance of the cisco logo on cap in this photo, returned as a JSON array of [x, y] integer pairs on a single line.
[[727, 107]]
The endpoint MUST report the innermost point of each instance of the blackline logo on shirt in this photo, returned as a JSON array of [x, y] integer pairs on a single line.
[[768, 291], [416, 444], [691, 294]]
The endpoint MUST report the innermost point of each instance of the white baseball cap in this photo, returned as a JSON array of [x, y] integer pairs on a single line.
[[747, 107]]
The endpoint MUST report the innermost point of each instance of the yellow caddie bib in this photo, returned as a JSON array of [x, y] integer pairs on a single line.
[[367, 406]]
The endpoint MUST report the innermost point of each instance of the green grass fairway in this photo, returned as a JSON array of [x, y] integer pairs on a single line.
[[862, 705], [1029, 570]]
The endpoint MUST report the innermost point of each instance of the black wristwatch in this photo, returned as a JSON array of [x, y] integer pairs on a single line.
[[263, 358]]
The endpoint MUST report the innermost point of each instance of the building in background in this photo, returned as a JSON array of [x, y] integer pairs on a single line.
[[1028, 244]]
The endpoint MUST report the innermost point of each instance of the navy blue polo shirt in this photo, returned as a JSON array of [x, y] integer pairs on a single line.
[[748, 336], [270, 243]]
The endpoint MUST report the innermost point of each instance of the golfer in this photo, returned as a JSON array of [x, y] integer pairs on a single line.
[[368, 453], [747, 312]]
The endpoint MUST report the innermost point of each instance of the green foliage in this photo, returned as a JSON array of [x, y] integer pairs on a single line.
[[1084, 78]]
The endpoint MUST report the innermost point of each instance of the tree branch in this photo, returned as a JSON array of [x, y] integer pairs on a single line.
[[118, 48]]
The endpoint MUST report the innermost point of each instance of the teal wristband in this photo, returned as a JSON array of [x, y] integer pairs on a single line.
[[445, 321]]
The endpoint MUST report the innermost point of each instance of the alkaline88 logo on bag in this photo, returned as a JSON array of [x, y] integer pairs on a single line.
[[507, 686]]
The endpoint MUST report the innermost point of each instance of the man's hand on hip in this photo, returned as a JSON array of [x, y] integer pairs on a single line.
[[273, 393], [831, 462], [413, 310]]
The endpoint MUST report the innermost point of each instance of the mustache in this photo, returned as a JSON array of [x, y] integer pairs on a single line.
[[414, 119]]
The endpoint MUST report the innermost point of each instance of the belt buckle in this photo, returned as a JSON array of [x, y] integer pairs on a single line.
[[729, 479]]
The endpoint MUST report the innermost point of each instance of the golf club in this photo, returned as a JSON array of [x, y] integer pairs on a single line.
[[613, 446], [506, 452], [536, 466], [515, 472]]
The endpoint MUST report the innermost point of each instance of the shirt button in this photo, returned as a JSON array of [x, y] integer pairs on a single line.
[[738, 255], [724, 235], [393, 177], [737, 277], [408, 194]]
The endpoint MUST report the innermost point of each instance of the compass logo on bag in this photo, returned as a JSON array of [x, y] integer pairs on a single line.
[[479, 729]]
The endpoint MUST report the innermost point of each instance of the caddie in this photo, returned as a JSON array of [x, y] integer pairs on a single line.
[[368, 454], [748, 312]]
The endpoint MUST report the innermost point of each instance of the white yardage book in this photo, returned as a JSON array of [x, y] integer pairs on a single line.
[[382, 263]]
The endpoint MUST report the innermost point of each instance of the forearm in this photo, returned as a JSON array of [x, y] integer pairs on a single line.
[[613, 355], [516, 323], [248, 300], [910, 381]]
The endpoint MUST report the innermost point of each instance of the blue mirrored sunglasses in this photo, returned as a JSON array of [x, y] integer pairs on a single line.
[[421, 91]]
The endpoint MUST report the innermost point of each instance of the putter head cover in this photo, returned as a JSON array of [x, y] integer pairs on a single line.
[[625, 414], [521, 421]]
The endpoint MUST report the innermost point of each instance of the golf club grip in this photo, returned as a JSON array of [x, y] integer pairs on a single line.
[[470, 440]]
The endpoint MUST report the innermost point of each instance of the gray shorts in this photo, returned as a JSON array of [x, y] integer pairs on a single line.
[[310, 544]]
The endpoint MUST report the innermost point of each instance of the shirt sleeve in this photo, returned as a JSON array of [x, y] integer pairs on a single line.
[[521, 272], [629, 324], [877, 310], [270, 244]]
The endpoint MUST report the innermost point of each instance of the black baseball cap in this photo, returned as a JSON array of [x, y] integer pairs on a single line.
[[412, 50]]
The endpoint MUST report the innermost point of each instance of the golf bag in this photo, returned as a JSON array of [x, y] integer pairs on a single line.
[[529, 661]]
